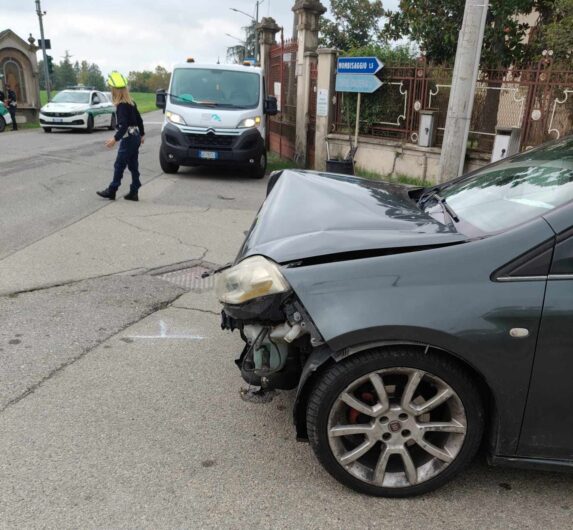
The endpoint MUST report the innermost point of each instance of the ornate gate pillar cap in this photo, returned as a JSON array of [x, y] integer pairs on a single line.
[[313, 6]]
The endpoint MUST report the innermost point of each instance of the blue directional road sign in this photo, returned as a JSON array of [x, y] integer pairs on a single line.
[[359, 65], [357, 83]]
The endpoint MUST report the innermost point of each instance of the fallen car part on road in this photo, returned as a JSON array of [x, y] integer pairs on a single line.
[[411, 327]]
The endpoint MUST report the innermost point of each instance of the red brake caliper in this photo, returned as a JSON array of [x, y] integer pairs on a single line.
[[353, 414]]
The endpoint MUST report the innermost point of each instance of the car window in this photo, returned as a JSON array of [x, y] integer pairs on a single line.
[[515, 191], [71, 96], [563, 258], [102, 97]]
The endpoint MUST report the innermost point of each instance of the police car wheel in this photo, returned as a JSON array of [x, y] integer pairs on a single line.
[[47, 129], [90, 127], [2, 124], [113, 123]]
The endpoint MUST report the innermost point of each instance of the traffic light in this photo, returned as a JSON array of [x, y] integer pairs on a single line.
[[50, 64]]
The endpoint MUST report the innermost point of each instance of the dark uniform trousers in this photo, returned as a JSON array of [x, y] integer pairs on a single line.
[[127, 156]]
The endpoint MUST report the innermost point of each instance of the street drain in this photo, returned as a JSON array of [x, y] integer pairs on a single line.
[[190, 279]]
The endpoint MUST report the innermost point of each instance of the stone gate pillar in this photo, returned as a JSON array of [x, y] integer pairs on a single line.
[[267, 30], [308, 15], [325, 108]]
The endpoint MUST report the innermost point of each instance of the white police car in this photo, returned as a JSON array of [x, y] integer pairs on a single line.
[[78, 108]]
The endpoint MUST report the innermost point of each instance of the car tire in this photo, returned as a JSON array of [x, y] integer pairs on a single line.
[[260, 168], [2, 124], [47, 129], [90, 125], [408, 455], [113, 122], [166, 166]]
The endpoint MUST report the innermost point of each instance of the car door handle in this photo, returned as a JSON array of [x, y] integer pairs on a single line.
[[519, 333]]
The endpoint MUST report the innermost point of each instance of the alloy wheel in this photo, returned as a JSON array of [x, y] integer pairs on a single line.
[[396, 427]]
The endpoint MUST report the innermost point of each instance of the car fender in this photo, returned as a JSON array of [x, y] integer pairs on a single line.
[[383, 337]]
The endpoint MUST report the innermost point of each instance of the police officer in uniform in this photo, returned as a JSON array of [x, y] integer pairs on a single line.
[[130, 133]]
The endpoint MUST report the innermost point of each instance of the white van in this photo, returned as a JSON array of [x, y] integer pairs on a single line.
[[215, 115]]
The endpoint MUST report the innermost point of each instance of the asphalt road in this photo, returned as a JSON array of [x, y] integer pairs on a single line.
[[49, 181], [119, 398]]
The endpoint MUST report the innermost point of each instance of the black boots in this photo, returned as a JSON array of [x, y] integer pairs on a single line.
[[107, 194], [110, 194]]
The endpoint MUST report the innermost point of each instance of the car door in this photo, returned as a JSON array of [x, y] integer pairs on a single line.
[[548, 424], [96, 104], [106, 109]]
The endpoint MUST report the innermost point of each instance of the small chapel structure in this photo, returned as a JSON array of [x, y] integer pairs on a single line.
[[19, 69]]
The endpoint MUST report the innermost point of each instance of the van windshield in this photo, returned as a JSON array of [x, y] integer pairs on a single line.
[[198, 87]]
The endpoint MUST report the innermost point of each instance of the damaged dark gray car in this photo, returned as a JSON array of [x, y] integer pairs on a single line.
[[416, 324]]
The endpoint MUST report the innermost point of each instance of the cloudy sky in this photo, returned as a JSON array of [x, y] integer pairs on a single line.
[[131, 35]]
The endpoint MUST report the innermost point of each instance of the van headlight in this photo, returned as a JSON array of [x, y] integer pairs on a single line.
[[249, 123], [252, 278], [175, 118]]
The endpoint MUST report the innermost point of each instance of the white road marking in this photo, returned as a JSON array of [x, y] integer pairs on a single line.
[[164, 334]]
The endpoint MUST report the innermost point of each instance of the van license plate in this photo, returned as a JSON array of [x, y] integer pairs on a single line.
[[208, 155]]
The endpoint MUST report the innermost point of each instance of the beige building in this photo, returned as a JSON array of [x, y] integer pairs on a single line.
[[19, 69]]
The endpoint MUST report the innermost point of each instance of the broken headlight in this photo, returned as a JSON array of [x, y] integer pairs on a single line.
[[252, 278]]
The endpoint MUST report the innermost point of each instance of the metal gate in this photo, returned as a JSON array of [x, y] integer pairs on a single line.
[[283, 85]]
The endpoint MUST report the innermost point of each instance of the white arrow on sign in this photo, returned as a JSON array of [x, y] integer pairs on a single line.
[[358, 83]]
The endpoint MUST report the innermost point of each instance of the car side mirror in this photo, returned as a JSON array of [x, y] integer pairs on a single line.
[[96, 101], [271, 106], [160, 99]]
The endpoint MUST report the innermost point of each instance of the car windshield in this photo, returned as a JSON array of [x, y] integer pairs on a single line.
[[202, 87], [70, 96], [514, 191]]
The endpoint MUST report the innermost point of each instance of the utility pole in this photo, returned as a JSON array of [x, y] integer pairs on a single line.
[[462, 95], [43, 42], [257, 43]]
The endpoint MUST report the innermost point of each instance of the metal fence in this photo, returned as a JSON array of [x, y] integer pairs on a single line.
[[283, 85], [537, 100]]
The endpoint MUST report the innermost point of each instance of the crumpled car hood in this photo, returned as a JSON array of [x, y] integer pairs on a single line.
[[310, 214]]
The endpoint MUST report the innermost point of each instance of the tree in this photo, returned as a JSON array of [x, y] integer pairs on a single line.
[[64, 74], [352, 24], [555, 30], [435, 26], [238, 53], [148, 81]]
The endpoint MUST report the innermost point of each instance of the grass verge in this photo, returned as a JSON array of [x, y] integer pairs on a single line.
[[398, 179]]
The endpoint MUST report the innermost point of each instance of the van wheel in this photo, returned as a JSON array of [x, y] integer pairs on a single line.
[[90, 127], [395, 423], [166, 165], [260, 168], [47, 129]]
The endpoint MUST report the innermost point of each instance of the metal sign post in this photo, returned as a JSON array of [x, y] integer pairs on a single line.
[[358, 75]]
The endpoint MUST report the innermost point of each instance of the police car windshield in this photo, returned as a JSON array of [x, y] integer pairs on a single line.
[[198, 87], [71, 96]]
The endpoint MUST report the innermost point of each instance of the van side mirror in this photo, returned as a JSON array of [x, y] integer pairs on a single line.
[[271, 106], [160, 99]]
